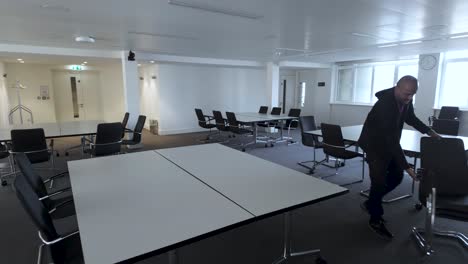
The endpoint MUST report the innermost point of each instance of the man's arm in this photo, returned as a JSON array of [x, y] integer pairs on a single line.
[[413, 120]]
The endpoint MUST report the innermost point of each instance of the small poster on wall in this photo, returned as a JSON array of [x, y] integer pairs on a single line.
[[44, 92]]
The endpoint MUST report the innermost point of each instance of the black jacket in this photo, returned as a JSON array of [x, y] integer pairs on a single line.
[[380, 136]]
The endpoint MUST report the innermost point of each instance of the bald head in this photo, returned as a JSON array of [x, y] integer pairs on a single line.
[[405, 89]]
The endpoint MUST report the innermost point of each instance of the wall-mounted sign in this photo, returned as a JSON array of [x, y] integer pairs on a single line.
[[76, 67], [43, 92]]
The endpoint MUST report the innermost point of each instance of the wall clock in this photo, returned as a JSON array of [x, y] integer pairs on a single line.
[[428, 62]]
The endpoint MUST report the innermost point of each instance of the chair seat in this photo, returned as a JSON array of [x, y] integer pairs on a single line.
[[129, 142], [348, 155], [209, 126], [453, 206]]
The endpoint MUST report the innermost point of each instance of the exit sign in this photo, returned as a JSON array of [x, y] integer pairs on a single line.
[[76, 68]]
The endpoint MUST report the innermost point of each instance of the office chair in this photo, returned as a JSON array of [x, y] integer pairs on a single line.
[[333, 145], [272, 124], [291, 124], [136, 132], [4, 154], [33, 143], [64, 248], [443, 188], [221, 123], [446, 126], [57, 207], [204, 121], [446, 112], [108, 140], [275, 111], [124, 123], [263, 109], [307, 123], [237, 128]]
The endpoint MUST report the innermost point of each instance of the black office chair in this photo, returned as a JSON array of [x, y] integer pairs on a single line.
[[443, 188], [334, 145], [205, 122], [221, 123], [307, 123], [271, 124], [124, 123], [64, 248], [237, 128], [136, 132], [58, 207], [4, 154], [263, 109], [291, 124], [446, 112], [275, 111], [446, 126], [33, 143], [108, 140]]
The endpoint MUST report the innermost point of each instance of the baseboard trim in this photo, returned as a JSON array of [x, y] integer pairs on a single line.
[[164, 132]]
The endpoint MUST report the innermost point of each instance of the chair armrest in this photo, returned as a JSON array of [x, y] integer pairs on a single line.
[[58, 239], [87, 139], [55, 176], [60, 205], [30, 152], [106, 144], [55, 193]]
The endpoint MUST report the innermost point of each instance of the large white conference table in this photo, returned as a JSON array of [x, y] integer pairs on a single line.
[[133, 206], [56, 130]]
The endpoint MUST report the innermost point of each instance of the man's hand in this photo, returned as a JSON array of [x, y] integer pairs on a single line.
[[411, 173], [434, 134]]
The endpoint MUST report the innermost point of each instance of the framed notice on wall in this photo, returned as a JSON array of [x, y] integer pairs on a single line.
[[44, 92]]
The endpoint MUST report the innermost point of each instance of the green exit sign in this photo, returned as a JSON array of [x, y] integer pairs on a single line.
[[76, 68]]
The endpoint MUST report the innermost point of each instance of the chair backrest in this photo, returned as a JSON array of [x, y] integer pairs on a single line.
[[449, 112], [33, 141], [35, 209], [333, 142], [32, 178], [232, 120], [108, 139], [307, 123], [446, 126], [124, 123], [293, 112], [140, 124], [200, 117], [445, 164], [276, 111], [263, 109], [219, 120]]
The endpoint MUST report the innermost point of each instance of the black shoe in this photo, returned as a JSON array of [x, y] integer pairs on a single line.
[[380, 229], [365, 209]]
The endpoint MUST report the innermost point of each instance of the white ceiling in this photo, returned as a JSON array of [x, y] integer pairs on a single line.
[[303, 30]]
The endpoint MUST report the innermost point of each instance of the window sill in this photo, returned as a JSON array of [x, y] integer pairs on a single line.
[[352, 104]]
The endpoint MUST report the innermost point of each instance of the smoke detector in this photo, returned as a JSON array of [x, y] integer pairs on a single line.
[[85, 39]]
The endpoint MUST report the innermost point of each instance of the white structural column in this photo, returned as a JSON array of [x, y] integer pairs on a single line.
[[131, 88], [4, 103], [427, 91], [273, 83]]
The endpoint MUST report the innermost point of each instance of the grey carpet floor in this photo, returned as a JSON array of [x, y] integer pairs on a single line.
[[337, 226]]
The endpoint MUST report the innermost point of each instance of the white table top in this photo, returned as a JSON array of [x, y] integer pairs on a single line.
[[410, 139], [257, 185], [132, 204], [54, 130], [262, 117]]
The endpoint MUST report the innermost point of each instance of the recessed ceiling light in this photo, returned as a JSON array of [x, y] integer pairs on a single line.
[[85, 62], [82, 64], [21, 62], [151, 61], [411, 42], [139, 64], [459, 36], [86, 39], [19, 59], [388, 45]]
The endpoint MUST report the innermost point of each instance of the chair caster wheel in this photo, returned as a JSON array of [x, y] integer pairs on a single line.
[[266, 145], [4, 183], [311, 171], [418, 206], [320, 260], [57, 155], [272, 145], [66, 154], [243, 150]]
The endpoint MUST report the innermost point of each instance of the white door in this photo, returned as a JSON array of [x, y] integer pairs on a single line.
[[76, 96], [287, 91]]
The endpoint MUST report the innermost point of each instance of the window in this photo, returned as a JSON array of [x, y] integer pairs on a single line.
[[303, 91], [452, 89], [357, 84]]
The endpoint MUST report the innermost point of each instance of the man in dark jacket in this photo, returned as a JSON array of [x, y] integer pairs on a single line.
[[380, 139]]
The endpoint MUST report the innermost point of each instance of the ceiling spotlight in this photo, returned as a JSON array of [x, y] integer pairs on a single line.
[[85, 62], [85, 39], [388, 45], [19, 59], [21, 62], [151, 61], [139, 64], [131, 56], [411, 42], [459, 36], [82, 64]]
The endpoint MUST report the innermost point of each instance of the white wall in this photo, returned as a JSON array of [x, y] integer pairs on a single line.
[[4, 100], [32, 76], [149, 90], [112, 92], [185, 87]]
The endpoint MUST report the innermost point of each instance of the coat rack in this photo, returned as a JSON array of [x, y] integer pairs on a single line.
[[18, 86]]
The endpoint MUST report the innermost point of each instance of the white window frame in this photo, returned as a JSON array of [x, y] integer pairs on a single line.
[[437, 103], [397, 65]]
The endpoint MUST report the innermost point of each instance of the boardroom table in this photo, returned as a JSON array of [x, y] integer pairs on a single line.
[[255, 118], [133, 206], [410, 143]]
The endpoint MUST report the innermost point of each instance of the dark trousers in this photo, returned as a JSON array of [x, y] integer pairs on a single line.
[[384, 176]]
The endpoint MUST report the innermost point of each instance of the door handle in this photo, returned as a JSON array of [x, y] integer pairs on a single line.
[[81, 105]]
